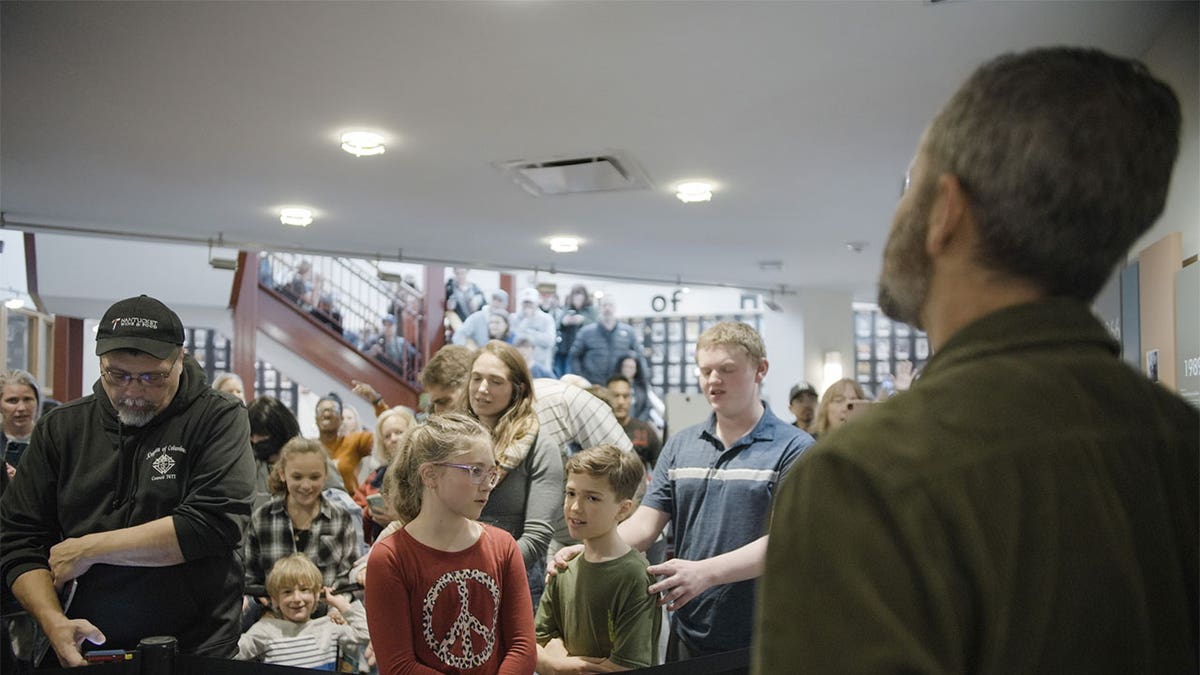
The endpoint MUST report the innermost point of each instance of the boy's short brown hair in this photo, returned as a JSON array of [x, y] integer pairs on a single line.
[[734, 333], [293, 570], [624, 470]]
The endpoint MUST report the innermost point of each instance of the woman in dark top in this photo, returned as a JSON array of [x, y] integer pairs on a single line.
[[577, 314], [646, 405]]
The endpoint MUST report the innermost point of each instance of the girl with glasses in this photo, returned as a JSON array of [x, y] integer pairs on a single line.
[[447, 593]]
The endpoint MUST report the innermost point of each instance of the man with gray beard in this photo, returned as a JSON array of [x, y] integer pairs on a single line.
[[1030, 504], [125, 519]]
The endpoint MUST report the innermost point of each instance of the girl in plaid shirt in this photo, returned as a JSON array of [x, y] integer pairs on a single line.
[[299, 519]]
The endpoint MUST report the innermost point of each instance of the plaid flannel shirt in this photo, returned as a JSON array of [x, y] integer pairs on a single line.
[[575, 420], [332, 543]]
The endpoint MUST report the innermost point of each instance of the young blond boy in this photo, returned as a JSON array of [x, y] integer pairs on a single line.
[[597, 613], [291, 637]]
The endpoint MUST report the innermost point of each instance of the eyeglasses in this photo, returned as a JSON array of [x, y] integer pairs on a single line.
[[122, 378], [477, 474]]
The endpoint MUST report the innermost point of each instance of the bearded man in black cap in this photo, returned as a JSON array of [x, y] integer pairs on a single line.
[[126, 516]]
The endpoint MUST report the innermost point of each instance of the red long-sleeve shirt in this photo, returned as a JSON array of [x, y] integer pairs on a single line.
[[468, 612]]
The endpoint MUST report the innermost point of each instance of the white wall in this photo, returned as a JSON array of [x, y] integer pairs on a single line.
[[82, 276], [813, 322], [314, 383], [12, 266], [1175, 59], [636, 299]]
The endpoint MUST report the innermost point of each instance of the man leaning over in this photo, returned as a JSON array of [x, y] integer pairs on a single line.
[[133, 500]]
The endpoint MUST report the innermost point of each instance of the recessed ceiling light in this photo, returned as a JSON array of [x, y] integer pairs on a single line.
[[294, 215], [363, 143], [14, 303], [693, 192], [564, 244]]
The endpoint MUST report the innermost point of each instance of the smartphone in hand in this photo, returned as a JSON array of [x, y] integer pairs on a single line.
[[107, 655], [857, 407]]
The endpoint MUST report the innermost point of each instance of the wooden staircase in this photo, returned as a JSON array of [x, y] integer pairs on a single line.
[[259, 308]]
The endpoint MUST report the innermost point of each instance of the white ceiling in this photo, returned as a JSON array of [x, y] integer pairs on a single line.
[[196, 119]]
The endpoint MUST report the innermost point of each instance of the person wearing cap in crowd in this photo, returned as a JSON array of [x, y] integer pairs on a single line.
[[474, 329], [132, 500], [530, 322], [802, 402]]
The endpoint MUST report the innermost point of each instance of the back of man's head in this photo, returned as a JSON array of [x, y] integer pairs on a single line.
[[1066, 155], [448, 367]]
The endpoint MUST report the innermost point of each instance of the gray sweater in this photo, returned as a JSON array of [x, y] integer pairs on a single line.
[[528, 503]]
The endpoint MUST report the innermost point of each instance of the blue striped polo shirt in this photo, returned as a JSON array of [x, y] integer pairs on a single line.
[[719, 500]]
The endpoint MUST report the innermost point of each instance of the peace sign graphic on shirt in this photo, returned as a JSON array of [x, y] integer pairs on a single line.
[[466, 626]]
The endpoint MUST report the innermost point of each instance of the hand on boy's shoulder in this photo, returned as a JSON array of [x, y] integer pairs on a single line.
[[562, 559]]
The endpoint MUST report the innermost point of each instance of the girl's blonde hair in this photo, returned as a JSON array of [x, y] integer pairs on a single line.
[[297, 446], [438, 439], [821, 422], [518, 420], [400, 411], [293, 570]]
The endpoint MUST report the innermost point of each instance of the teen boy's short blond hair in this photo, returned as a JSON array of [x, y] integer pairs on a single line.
[[291, 571], [737, 334], [624, 470]]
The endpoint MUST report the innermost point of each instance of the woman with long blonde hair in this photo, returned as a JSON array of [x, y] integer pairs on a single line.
[[832, 410]]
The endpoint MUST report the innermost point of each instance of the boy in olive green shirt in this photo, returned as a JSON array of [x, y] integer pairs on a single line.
[[598, 613]]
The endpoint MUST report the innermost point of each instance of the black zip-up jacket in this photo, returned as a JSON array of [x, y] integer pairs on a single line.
[[85, 472]]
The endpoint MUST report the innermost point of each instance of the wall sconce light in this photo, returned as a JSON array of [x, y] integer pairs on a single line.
[[833, 369]]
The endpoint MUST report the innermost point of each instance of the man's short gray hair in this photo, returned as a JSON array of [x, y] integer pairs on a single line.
[[1066, 156]]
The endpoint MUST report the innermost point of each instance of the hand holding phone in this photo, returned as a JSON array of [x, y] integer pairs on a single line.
[[857, 407]]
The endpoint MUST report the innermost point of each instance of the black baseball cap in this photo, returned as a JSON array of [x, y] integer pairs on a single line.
[[802, 388], [142, 323]]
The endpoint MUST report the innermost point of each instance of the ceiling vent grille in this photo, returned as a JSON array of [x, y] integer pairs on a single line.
[[607, 172]]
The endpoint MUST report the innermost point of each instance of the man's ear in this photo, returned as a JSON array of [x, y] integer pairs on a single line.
[[761, 371], [625, 509], [947, 216]]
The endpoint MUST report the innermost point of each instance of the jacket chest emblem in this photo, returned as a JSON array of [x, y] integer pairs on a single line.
[[162, 461], [163, 464]]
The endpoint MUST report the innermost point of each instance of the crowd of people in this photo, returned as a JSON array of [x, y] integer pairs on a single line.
[[963, 525], [382, 338]]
